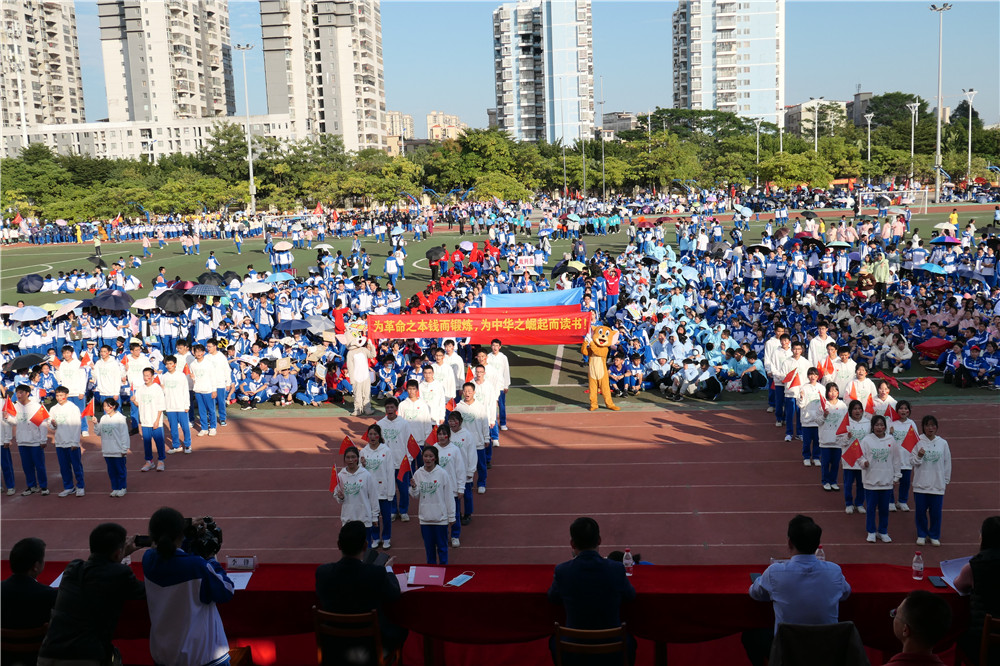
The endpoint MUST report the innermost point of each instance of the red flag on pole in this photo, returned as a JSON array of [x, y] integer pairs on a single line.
[[433, 437], [891, 413], [412, 447], [333, 479], [8, 408], [790, 377], [469, 376], [39, 415], [451, 405], [89, 409], [318, 210], [364, 437], [910, 441], [404, 467], [852, 453], [853, 395], [85, 359], [345, 444], [870, 405], [795, 381], [842, 430]]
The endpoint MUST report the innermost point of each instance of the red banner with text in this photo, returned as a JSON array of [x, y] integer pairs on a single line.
[[555, 325]]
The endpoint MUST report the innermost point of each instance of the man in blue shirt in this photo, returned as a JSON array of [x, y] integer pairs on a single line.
[[803, 589]]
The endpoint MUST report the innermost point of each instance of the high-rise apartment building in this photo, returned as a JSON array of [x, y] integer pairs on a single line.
[[730, 56], [544, 69], [442, 126], [41, 65], [166, 60], [401, 124], [323, 67]]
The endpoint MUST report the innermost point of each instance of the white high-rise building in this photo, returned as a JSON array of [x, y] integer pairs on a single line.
[[730, 56], [544, 69], [41, 65], [166, 60], [441, 125], [401, 124], [323, 67]]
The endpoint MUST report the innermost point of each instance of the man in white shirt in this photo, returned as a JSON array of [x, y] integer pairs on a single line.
[[452, 358], [177, 384], [64, 419], [475, 419], [204, 373], [109, 375], [444, 373], [498, 361], [817, 346], [135, 362], [773, 344], [73, 376], [151, 405], [30, 438], [224, 377], [417, 413], [395, 433], [433, 394], [492, 379]]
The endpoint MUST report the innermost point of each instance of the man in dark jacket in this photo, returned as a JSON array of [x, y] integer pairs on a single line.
[[91, 596], [353, 586], [590, 587], [26, 603]]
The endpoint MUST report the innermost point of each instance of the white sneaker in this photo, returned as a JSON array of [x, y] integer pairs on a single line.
[[121, 493], [935, 542], [862, 509], [148, 466], [404, 517], [903, 506], [826, 486], [871, 537], [503, 427], [202, 433], [778, 424], [114, 493], [481, 490], [160, 466], [187, 449], [849, 509], [892, 507], [496, 442], [806, 462], [770, 410], [67, 492], [885, 538], [816, 462], [80, 492], [173, 449], [386, 545], [835, 486], [11, 491], [788, 438], [211, 432], [921, 541], [455, 543]]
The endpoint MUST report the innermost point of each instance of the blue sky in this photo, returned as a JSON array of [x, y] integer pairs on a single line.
[[438, 55]]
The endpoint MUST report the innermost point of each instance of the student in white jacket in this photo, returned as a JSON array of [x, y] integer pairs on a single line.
[[477, 422], [831, 445], [356, 491], [452, 460], [177, 398], [205, 376], [64, 420], [377, 458], [810, 403], [931, 460], [899, 430], [149, 401], [396, 433], [73, 376], [416, 412], [463, 438], [432, 392], [433, 486], [31, 441], [858, 427], [795, 369], [113, 429], [879, 470]]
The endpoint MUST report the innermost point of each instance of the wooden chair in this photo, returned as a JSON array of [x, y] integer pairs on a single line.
[[817, 645], [990, 639], [590, 642], [22, 641], [361, 627]]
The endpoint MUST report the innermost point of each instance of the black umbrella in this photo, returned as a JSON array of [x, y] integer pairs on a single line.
[[990, 230], [211, 278], [651, 261], [806, 242], [435, 253], [24, 361], [113, 299], [883, 200], [809, 215], [720, 245], [174, 301], [30, 284], [229, 276], [97, 261], [762, 248], [993, 243]]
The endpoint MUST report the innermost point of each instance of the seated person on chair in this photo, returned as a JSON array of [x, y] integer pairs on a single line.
[[804, 590], [26, 603], [351, 586], [920, 622], [590, 587]]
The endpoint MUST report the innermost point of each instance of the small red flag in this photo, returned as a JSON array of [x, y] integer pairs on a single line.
[[891, 413], [795, 381], [89, 409], [870, 405], [333, 479], [84, 358], [412, 447], [852, 453], [790, 377], [187, 369], [451, 405], [842, 430], [827, 367], [42, 393], [853, 395], [433, 437], [822, 403], [364, 437], [55, 363], [40, 415], [404, 467], [469, 375], [9, 408], [910, 441], [346, 444]]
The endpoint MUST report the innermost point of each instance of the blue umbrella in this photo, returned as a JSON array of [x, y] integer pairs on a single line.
[[278, 277], [206, 290], [292, 325], [29, 313], [931, 268], [574, 217], [744, 211], [946, 240], [854, 256], [689, 273]]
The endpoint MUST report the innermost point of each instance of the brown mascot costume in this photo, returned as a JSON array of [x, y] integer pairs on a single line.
[[596, 346]]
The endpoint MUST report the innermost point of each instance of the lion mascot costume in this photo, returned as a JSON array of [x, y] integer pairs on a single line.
[[596, 346], [360, 350]]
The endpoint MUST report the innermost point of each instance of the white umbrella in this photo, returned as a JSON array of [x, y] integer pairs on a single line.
[[947, 226], [323, 246], [283, 246], [145, 304], [256, 287], [66, 309], [8, 309]]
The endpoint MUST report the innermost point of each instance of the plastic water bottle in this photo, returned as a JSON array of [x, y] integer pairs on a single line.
[[629, 562], [820, 555], [918, 566]]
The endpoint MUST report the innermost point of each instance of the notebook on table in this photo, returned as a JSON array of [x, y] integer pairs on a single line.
[[426, 576]]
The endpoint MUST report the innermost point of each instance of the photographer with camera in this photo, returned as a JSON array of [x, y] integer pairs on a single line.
[[184, 582]]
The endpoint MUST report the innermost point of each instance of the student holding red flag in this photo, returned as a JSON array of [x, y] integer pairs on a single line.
[[356, 491], [904, 431], [879, 471], [830, 443], [377, 459], [931, 462], [73, 375], [476, 421], [884, 404], [855, 427], [31, 440], [450, 457], [433, 486], [64, 420], [6, 436], [794, 372], [810, 404], [861, 388]]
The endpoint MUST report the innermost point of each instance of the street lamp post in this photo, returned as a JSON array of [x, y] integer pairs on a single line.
[[243, 48], [868, 119], [604, 187], [819, 103], [914, 110], [940, 100], [757, 122], [969, 94]]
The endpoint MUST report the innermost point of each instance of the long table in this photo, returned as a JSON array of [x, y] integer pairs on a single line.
[[508, 604]]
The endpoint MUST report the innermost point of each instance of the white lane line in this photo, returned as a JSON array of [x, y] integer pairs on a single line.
[[557, 367]]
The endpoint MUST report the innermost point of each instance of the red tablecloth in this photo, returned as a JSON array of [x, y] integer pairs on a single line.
[[508, 604]]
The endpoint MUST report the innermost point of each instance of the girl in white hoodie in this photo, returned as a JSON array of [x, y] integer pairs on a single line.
[[879, 470], [858, 427], [377, 459], [810, 402], [899, 430], [453, 460], [931, 460], [113, 429], [433, 485], [830, 443], [356, 491]]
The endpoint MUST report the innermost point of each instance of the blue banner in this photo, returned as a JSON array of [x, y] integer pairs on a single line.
[[541, 299]]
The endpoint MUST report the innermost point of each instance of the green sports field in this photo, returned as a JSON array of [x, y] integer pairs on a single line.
[[545, 377]]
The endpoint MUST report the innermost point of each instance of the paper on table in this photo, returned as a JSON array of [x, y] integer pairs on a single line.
[[240, 579], [950, 570], [56, 582], [404, 585]]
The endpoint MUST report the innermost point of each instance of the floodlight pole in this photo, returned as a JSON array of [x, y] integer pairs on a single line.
[[940, 100], [969, 94]]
